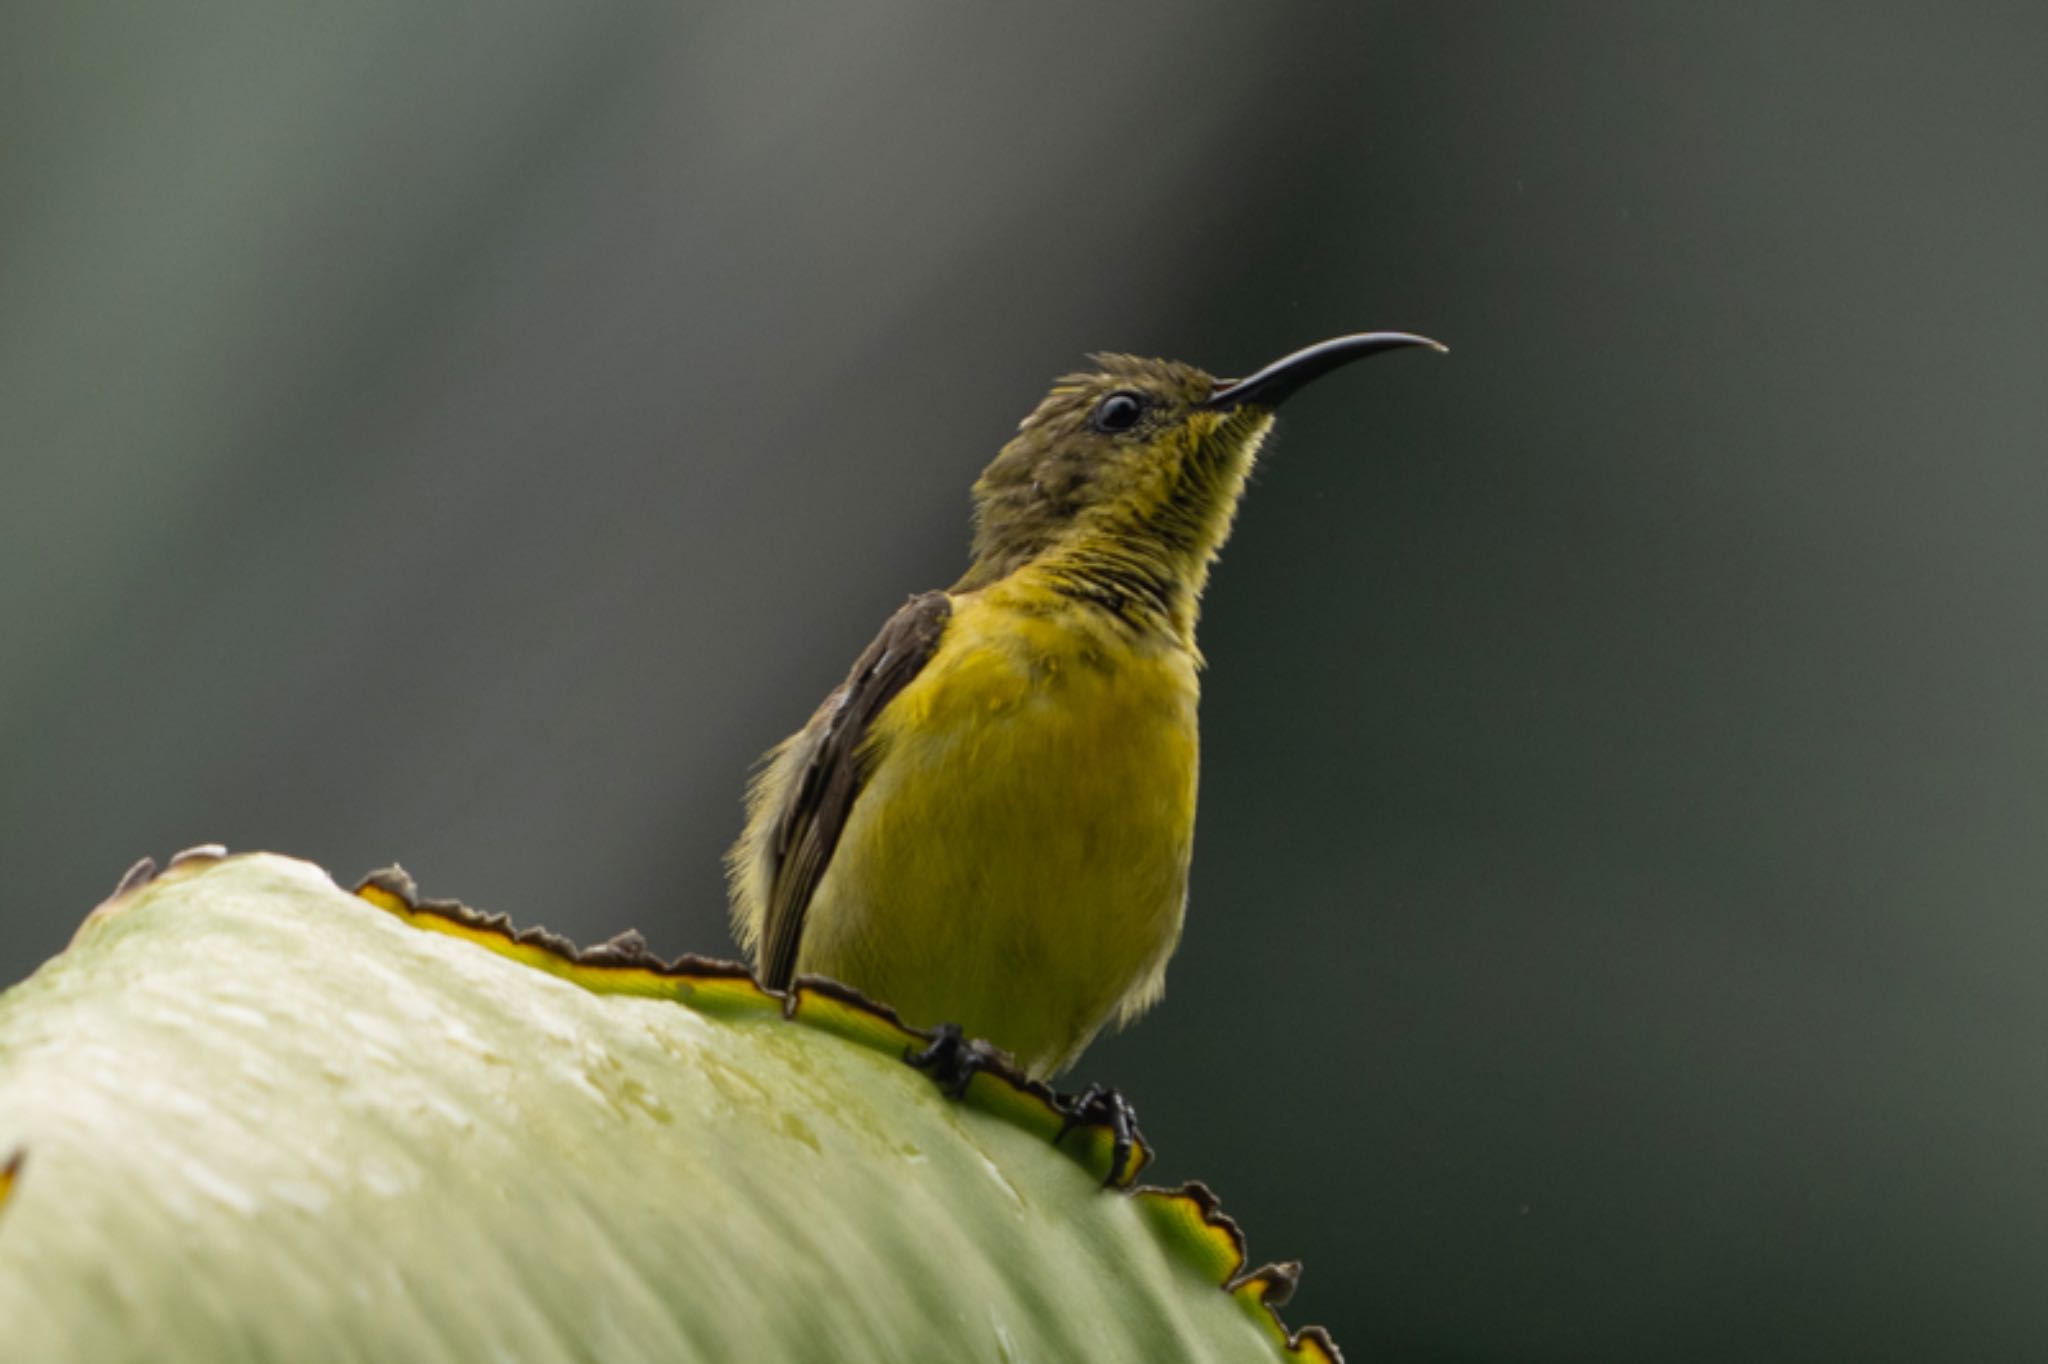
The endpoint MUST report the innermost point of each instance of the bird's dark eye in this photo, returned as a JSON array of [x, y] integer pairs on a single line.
[[1117, 412]]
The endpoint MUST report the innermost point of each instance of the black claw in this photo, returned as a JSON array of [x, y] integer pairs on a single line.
[[1101, 1104], [953, 1059]]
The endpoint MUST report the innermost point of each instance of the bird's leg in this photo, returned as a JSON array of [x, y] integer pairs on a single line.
[[1101, 1104], [953, 1059]]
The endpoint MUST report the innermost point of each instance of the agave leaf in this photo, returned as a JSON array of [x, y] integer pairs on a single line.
[[257, 1117]]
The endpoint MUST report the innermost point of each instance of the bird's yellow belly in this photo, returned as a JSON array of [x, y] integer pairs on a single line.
[[1018, 862]]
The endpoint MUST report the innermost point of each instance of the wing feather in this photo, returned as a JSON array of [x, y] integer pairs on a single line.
[[831, 770]]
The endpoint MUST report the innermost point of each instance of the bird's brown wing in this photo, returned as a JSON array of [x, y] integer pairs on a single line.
[[834, 771]]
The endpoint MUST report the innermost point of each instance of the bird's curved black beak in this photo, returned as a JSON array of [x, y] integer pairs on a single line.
[[1272, 385]]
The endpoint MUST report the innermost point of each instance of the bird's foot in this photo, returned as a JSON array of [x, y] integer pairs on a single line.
[[953, 1059], [1103, 1105]]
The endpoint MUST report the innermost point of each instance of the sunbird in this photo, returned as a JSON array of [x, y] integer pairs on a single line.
[[988, 825]]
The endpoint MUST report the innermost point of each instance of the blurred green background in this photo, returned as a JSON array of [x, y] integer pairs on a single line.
[[467, 435]]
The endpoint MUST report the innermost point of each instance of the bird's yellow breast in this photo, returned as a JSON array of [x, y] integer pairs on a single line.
[[1017, 862]]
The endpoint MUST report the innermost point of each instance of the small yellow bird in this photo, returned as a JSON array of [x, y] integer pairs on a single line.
[[989, 823]]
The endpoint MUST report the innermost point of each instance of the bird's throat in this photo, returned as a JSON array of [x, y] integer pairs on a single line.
[[1146, 560], [1142, 554]]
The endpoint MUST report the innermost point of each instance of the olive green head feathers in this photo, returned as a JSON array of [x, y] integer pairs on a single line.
[[1126, 477], [1126, 451]]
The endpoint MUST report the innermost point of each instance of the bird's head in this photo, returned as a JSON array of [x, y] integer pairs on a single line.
[[1138, 465]]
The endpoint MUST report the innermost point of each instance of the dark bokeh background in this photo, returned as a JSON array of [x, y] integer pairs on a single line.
[[466, 436]]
